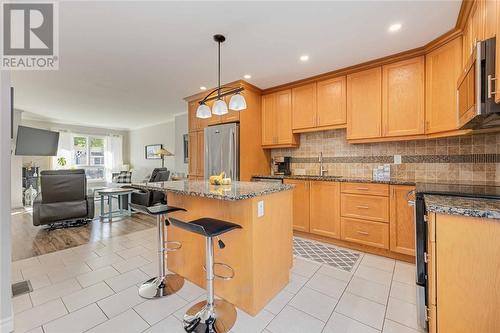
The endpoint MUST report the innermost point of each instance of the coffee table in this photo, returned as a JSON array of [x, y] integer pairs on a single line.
[[111, 193]]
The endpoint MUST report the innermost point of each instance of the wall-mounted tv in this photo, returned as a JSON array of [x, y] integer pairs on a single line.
[[36, 142]]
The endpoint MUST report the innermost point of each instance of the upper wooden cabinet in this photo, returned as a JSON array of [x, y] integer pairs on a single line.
[[331, 102], [490, 18], [325, 208], [319, 105], [443, 67], [402, 221], [304, 107], [364, 104], [193, 121], [277, 120], [497, 59], [403, 97]]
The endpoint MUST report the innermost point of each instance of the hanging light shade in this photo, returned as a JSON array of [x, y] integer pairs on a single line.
[[237, 102], [203, 111], [219, 108]]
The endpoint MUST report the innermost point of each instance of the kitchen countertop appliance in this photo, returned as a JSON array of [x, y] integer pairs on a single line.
[[222, 150], [281, 165], [422, 189]]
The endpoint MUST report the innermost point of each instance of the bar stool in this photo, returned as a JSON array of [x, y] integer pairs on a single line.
[[211, 315], [162, 285]]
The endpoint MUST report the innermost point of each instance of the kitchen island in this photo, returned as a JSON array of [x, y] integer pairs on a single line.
[[260, 253]]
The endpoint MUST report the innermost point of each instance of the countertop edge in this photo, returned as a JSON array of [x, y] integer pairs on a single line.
[[339, 179]]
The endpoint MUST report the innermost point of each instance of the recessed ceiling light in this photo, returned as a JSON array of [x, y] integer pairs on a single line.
[[395, 27], [247, 76], [203, 88], [304, 57]]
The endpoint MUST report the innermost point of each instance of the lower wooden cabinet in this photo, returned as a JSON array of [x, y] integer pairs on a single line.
[[365, 232], [300, 204], [374, 215], [325, 208], [402, 221], [196, 142]]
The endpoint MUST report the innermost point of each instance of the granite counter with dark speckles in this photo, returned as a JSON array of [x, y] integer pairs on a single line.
[[236, 191], [391, 181], [453, 205]]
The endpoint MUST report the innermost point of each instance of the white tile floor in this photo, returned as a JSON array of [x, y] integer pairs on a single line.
[[93, 288]]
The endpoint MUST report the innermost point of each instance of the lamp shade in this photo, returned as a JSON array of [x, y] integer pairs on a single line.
[[219, 108], [163, 152], [237, 102], [203, 111]]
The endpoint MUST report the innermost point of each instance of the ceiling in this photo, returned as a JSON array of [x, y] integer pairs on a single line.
[[129, 64]]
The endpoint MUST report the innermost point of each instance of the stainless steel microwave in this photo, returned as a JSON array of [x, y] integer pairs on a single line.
[[475, 94]]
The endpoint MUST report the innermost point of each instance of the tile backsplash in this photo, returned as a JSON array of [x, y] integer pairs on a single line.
[[467, 158]]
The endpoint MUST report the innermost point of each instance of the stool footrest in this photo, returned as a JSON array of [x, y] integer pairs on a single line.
[[222, 277], [178, 246]]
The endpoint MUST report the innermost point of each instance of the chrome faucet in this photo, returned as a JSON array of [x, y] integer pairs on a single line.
[[322, 170]]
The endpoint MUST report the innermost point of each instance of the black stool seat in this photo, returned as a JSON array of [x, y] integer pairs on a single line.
[[205, 226], [156, 210]]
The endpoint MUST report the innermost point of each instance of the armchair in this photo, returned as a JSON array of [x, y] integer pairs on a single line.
[[63, 200], [149, 198]]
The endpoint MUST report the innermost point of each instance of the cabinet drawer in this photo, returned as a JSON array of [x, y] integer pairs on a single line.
[[365, 188], [368, 207], [365, 232]]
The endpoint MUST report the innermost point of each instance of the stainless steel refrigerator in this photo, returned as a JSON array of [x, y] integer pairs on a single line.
[[222, 150]]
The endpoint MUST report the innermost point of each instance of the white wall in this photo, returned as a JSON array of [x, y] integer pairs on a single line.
[[6, 315], [163, 133], [16, 169], [181, 128]]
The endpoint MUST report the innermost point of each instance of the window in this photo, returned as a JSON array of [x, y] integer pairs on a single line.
[[88, 154]]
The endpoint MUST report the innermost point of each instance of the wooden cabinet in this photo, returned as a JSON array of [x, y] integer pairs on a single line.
[[490, 18], [331, 102], [193, 121], [277, 120], [300, 204], [325, 208], [443, 67], [403, 98], [319, 105], [467, 92], [463, 274], [196, 157], [497, 59], [364, 104], [304, 107], [402, 221], [364, 232], [367, 207]]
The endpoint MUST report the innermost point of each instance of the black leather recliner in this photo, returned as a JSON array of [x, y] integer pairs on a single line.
[[148, 198], [63, 198]]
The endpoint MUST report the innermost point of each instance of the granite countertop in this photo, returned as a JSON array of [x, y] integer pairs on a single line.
[[340, 179], [453, 205], [200, 188]]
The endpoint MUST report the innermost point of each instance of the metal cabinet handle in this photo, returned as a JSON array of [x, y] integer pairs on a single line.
[[362, 207], [363, 233], [362, 188], [490, 91]]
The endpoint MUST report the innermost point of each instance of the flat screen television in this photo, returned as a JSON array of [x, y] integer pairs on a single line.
[[36, 142]]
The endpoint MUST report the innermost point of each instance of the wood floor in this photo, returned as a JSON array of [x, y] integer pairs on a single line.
[[29, 241]]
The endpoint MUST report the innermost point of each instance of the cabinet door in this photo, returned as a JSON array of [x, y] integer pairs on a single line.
[[403, 110], [490, 18], [402, 221], [283, 120], [325, 208], [300, 204], [331, 102], [497, 58], [200, 159], [443, 67], [304, 107], [231, 116], [269, 119], [193, 154], [193, 121], [466, 43], [364, 104]]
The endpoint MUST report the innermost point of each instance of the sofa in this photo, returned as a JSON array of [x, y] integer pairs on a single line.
[[63, 200]]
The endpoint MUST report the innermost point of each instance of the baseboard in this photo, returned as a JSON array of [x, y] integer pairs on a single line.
[[7, 325]]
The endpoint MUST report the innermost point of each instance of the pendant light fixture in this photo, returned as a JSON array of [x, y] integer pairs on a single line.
[[236, 103]]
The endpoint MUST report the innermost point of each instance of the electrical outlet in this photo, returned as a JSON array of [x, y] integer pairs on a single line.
[[397, 159], [260, 208]]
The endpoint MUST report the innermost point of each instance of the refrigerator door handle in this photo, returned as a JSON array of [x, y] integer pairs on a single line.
[[231, 145]]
